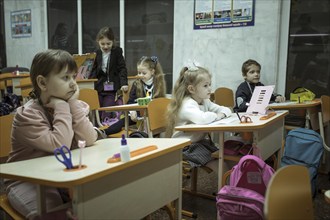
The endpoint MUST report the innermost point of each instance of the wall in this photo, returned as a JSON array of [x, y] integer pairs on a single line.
[[223, 51], [22, 50]]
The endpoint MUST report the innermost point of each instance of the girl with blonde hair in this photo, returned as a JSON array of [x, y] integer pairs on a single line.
[[191, 105]]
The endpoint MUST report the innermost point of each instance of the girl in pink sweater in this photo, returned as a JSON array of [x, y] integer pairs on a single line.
[[52, 118]]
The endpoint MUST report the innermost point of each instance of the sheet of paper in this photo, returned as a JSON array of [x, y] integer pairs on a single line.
[[260, 99], [282, 103], [227, 120]]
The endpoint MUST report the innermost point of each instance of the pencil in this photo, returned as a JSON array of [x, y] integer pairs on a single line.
[[238, 116]]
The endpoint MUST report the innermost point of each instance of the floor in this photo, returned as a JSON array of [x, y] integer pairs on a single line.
[[205, 209]]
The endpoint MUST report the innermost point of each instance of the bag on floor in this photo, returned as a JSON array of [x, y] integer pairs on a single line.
[[304, 147], [244, 198]]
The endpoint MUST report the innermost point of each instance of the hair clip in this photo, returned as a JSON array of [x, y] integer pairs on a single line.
[[192, 65], [154, 59]]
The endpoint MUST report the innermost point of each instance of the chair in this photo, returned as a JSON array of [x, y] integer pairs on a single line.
[[26, 88], [225, 97], [6, 122], [324, 118], [288, 195], [324, 123], [90, 96], [156, 119]]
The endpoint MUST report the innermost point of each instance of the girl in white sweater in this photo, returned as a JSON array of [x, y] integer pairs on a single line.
[[191, 105]]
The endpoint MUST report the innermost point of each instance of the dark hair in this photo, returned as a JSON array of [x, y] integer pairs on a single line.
[[247, 64], [47, 62], [105, 32]]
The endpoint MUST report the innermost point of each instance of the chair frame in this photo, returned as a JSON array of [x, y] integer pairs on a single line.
[[324, 118]]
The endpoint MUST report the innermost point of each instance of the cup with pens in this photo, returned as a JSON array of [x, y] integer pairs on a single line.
[[63, 155]]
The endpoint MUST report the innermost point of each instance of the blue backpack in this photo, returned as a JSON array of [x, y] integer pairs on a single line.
[[304, 147]]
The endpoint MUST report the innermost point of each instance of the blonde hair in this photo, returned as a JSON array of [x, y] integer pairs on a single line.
[[152, 63], [180, 91]]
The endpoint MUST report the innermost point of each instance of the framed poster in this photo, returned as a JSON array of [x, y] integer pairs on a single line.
[[21, 23], [210, 14]]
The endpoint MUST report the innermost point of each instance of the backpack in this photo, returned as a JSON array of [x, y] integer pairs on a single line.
[[138, 134], [304, 147], [244, 197]]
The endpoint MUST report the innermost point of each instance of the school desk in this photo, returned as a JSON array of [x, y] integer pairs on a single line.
[[267, 134], [126, 108], [312, 108], [6, 77], [102, 190]]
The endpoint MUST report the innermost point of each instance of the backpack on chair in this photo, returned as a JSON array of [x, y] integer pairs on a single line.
[[244, 197]]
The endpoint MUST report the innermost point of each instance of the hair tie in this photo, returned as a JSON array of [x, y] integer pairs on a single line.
[[192, 65], [154, 59]]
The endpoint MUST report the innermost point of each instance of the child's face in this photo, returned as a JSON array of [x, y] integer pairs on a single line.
[[105, 44], [145, 73], [202, 90], [61, 85], [253, 74]]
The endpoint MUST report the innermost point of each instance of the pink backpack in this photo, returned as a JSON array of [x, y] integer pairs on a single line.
[[244, 198]]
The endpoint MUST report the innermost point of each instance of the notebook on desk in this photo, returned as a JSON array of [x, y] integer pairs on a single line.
[[260, 99]]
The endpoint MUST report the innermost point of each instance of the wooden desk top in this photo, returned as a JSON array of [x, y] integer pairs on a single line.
[[128, 107], [7, 76], [48, 171], [235, 124], [294, 105]]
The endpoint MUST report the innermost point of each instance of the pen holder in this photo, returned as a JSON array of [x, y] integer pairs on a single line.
[[143, 101], [75, 168]]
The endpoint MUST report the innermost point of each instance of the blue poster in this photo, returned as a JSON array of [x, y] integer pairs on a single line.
[[210, 14]]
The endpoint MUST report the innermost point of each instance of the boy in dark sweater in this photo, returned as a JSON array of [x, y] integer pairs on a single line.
[[251, 73]]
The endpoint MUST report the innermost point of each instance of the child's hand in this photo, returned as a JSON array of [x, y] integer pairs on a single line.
[[133, 115], [280, 99], [53, 101], [75, 95], [124, 88], [220, 116]]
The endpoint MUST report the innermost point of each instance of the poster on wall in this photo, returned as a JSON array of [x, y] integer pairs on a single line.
[[21, 23], [209, 14]]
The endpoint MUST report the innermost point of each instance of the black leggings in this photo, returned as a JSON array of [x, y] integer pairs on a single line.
[[118, 126]]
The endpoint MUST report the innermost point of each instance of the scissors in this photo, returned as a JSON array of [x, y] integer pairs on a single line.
[[246, 119], [62, 157]]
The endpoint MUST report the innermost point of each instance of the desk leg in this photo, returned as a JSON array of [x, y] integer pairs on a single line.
[[126, 123], [220, 171], [40, 199]]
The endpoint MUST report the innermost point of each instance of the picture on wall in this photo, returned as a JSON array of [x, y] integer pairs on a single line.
[[21, 23], [210, 14]]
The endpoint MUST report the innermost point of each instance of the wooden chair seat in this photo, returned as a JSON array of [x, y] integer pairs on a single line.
[[5, 206]]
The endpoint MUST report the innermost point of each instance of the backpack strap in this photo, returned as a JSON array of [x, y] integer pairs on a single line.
[[254, 158]]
